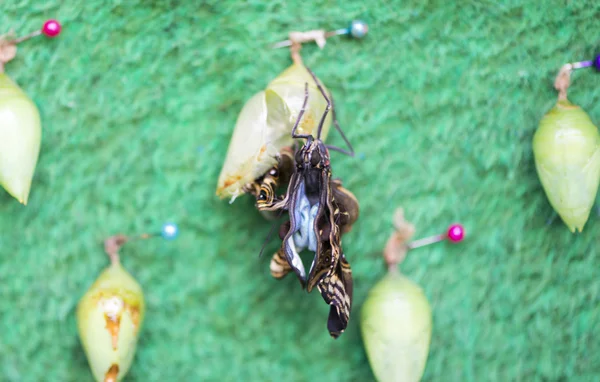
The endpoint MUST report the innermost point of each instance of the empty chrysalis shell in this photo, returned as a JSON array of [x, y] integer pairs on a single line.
[[20, 132], [396, 324], [109, 317], [566, 149], [264, 128], [289, 85]]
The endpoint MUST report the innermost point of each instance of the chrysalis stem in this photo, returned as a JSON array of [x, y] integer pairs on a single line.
[[8, 50], [562, 81], [394, 252], [396, 247], [295, 53], [112, 246]]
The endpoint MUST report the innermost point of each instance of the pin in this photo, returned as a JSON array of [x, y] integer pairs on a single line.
[[169, 231], [51, 29], [357, 29], [586, 64], [455, 233]]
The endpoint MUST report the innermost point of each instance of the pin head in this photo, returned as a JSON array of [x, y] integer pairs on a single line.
[[358, 29], [456, 233], [597, 63], [169, 231], [51, 28]]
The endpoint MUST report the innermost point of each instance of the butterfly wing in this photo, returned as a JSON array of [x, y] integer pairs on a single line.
[[336, 290], [327, 233], [294, 196], [346, 205]]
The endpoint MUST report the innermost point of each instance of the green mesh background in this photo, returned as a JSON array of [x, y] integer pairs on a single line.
[[139, 101]]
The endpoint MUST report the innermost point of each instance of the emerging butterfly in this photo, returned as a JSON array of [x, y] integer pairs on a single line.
[[320, 210]]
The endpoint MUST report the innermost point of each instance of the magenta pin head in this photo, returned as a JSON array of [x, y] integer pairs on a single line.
[[51, 28], [456, 233]]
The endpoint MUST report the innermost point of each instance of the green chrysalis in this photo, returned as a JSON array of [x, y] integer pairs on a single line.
[[396, 327], [20, 125], [566, 149], [263, 129], [109, 319], [396, 318], [20, 133]]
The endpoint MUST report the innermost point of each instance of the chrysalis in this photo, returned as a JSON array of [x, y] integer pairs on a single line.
[[396, 327], [21, 133], [263, 128], [566, 149], [20, 126], [396, 318], [109, 318]]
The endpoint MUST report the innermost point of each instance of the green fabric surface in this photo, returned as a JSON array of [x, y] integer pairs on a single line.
[[441, 99]]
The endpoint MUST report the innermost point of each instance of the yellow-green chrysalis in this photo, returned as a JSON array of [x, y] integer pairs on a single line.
[[396, 329], [396, 318], [109, 319], [264, 126], [20, 132], [566, 149], [20, 126]]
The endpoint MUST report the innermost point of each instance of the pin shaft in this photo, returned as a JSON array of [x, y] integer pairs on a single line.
[[582, 64], [425, 241], [27, 37]]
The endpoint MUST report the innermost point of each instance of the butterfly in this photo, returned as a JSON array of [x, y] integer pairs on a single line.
[[319, 210]]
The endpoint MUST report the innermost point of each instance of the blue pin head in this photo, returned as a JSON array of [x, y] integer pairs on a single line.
[[169, 231], [358, 29]]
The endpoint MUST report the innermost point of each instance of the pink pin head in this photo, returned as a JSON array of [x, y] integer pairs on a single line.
[[51, 28], [456, 233]]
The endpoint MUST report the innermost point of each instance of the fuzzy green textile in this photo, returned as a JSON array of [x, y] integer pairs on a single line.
[[138, 102]]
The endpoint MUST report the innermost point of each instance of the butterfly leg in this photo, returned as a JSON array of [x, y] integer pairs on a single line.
[[350, 150]]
